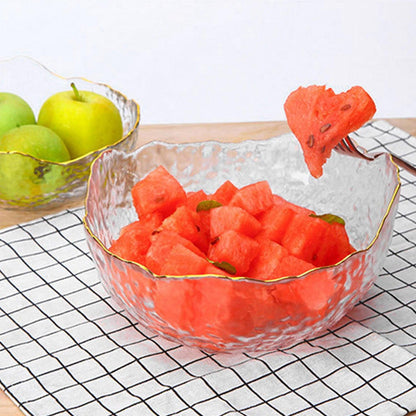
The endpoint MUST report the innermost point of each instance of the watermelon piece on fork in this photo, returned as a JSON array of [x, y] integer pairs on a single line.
[[320, 119]]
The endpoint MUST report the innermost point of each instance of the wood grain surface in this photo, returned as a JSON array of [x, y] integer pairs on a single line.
[[229, 132]]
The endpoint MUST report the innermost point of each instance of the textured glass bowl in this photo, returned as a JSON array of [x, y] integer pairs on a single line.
[[217, 313], [27, 182]]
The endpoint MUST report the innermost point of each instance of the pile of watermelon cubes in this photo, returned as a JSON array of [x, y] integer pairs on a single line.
[[247, 231]]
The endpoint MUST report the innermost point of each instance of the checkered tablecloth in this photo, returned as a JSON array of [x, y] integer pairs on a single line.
[[67, 349]]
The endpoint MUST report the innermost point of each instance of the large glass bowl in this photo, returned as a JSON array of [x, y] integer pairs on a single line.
[[27, 182], [217, 313]]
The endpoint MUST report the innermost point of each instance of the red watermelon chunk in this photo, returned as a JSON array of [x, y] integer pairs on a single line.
[[159, 191], [306, 299], [132, 245], [224, 193], [182, 261], [234, 248], [335, 245], [134, 239], [193, 198], [220, 310], [303, 237], [161, 245], [183, 221], [267, 260], [173, 301], [254, 198], [313, 293], [283, 203], [275, 221], [320, 119], [274, 261], [232, 218], [292, 266]]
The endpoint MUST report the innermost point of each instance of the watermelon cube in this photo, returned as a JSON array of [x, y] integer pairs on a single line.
[[303, 237], [292, 266], [283, 203], [335, 245], [159, 191], [267, 260], [134, 239], [314, 293], [254, 198], [161, 244], [224, 193], [193, 198], [173, 301], [232, 218], [306, 299], [275, 221], [219, 311], [234, 248], [182, 261], [183, 221]]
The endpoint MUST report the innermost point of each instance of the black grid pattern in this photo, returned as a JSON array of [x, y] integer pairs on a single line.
[[67, 349]]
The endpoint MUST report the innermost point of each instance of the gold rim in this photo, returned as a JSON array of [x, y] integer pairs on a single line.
[[89, 154], [237, 278]]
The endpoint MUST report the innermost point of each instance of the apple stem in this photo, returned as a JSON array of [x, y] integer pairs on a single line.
[[76, 92]]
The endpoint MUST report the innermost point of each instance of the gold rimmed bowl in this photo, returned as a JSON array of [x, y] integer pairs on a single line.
[[230, 314], [40, 183]]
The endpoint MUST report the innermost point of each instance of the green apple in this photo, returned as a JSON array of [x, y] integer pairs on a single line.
[[38, 141], [14, 112], [22, 176], [85, 120]]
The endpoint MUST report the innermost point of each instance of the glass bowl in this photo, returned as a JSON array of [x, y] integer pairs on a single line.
[[217, 313], [27, 182]]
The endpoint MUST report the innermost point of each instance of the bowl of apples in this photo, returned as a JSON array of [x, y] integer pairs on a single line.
[[52, 128]]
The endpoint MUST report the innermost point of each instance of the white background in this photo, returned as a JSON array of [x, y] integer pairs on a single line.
[[222, 60]]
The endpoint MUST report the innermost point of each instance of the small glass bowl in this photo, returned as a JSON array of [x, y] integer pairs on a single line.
[[27, 182], [217, 313]]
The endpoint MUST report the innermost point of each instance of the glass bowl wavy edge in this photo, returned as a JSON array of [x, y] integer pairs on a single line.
[[69, 178], [135, 288]]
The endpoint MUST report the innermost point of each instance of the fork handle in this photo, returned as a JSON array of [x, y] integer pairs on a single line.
[[403, 164]]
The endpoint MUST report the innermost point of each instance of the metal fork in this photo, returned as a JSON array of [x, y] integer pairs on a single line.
[[348, 146]]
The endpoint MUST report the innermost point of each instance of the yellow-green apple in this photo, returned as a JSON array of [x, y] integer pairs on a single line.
[[38, 141], [85, 120], [14, 112], [23, 176]]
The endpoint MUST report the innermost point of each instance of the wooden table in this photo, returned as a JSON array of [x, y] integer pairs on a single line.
[[230, 132]]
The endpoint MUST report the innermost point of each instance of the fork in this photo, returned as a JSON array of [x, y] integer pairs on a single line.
[[350, 147]]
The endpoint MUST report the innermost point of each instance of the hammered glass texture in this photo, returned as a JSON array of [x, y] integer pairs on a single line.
[[46, 184], [237, 314]]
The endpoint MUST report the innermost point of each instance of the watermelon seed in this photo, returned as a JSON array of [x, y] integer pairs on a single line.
[[215, 240], [325, 127], [159, 199], [345, 107], [311, 140], [323, 149]]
